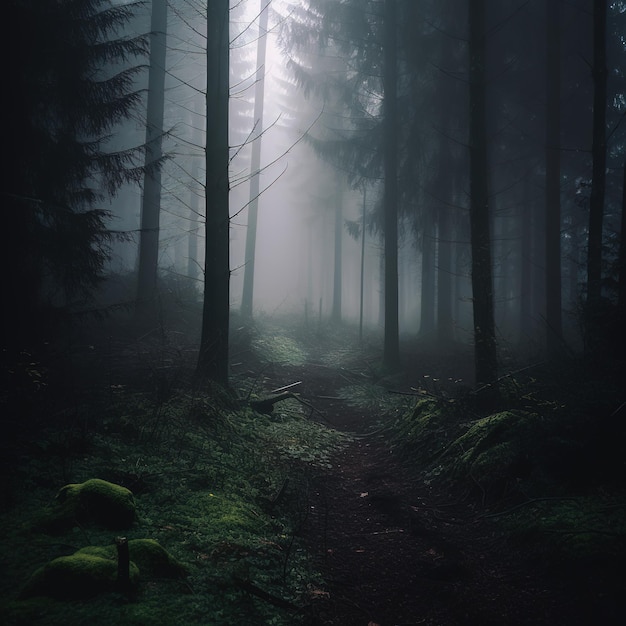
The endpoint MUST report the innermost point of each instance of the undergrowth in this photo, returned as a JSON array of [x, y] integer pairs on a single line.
[[222, 488], [546, 464]]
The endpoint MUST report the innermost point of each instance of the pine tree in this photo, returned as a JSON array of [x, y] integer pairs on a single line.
[[72, 80], [213, 356]]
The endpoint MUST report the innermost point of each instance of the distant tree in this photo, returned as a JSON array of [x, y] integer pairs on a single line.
[[427, 296], [553, 180], [72, 78], [391, 348], [151, 198], [621, 290], [255, 176], [337, 203], [213, 355], [485, 357], [598, 182]]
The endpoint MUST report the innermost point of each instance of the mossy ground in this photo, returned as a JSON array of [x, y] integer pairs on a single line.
[[222, 488], [545, 465], [226, 490]]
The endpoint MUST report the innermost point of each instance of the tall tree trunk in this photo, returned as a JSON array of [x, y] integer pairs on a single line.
[[526, 266], [485, 356], [554, 329], [621, 297], [391, 350], [427, 297], [362, 268], [337, 257], [151, 199], [596, 203], [213, 356], [621, 293], [194, 222], [445, 329], [253, 206]]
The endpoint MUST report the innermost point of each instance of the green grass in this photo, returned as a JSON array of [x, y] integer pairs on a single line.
[[222, 489]]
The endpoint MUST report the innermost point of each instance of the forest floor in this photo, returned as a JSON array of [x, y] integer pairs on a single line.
[[362, 532], [397, 551]]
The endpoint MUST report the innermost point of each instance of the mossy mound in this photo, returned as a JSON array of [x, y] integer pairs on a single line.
[[93, 570], [78, 576], [147, 554], [496, 449], [425, 431], [94, 501]]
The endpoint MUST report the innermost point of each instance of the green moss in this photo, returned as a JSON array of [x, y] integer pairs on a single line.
[[77, 576], [279, 349], [148, 554], [93, 501], [495, 449], [424, 431], [222, 514]]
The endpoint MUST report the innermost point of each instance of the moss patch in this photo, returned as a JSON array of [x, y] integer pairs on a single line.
[[147, 554], [496, 449], [78, 576], [280, 349], [94, 501]]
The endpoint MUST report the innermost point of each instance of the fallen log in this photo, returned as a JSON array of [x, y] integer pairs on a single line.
[[266, 405]]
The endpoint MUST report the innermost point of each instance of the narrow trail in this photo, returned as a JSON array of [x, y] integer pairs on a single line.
[[395, 553]]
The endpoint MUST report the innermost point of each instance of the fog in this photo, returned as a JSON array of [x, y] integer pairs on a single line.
[[294, 248], [301, 192]]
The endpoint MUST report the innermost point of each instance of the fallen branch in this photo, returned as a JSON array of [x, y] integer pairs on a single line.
[[286, 387], [266, 405]]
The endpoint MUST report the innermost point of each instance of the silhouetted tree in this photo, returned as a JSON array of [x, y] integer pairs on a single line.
[[485, 357], [553, 180], [337, 253], [598, 182], [72, 78], [621, 298], [253, 206], [391, 348], [213, 355], [151, 198]]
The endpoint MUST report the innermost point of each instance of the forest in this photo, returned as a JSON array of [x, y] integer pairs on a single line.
[[315, 313]]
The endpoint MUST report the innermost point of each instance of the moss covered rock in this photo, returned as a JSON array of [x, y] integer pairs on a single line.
[[149, 556], [94, 501], [80, 575], [93, 570]]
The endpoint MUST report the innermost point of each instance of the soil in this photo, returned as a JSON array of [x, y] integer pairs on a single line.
[[395, 552]]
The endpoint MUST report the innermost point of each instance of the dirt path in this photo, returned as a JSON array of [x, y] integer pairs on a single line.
[[393, 552]]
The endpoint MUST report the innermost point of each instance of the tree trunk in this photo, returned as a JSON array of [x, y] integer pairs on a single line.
[[526, 267], [621, 286], [253, 206], [554, 329], [427, 300], [362, 268], [596, 203], [194, 223], [391, 351], [213, 356], [621, 297], [151, 199], [485, 357], [445, 328], [337, 259]]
